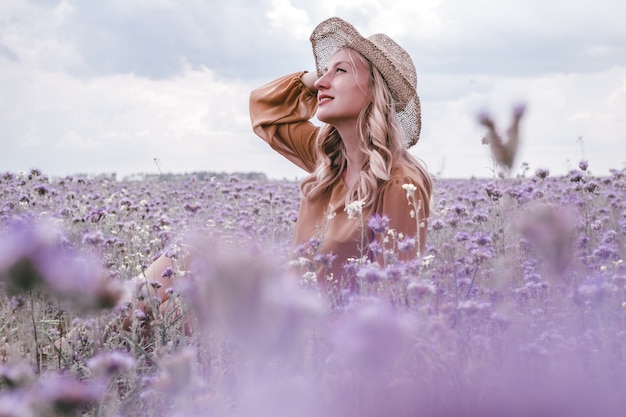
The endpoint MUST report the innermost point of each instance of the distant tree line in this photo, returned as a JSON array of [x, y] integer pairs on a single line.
[[201, 175]]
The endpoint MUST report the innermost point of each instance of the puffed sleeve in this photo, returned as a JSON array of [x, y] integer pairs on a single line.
[[280, 112], [406, 215]]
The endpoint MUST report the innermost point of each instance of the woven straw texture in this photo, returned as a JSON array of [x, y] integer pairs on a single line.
[[391, 60]]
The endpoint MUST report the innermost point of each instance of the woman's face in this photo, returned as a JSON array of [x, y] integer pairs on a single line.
[[343, 89]]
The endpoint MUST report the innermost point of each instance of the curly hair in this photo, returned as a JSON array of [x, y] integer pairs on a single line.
[[381, 142]]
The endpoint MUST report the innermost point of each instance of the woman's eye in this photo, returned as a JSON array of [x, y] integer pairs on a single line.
[[341, 70]]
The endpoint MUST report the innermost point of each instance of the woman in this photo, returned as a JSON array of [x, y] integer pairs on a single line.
[[364, 92]]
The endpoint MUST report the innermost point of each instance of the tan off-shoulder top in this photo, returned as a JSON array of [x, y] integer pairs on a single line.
[[281, 112]]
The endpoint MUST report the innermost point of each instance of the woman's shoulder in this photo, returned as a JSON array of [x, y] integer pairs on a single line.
[[409, 181], [408, 171]]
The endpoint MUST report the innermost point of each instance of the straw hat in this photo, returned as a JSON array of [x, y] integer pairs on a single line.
[[393, 62]]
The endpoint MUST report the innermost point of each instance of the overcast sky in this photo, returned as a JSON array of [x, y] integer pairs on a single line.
[[108, 86]]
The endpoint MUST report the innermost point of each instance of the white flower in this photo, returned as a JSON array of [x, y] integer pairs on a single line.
[[309, 277], [355, 209], [410, 188], [330, 212], [427, 260], [410, 191]]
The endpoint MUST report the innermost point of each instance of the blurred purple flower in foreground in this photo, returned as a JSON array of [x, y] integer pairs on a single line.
[[111, 363], [32, 255], [550, 231], [246, 294], [66, 395], [16, 375]]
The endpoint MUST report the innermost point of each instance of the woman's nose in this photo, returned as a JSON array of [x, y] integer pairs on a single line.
[[321, 82]]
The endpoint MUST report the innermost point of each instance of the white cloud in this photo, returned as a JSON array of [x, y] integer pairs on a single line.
[[562, 108], [106, 87], [185, 121], [419, 19], [284, 17], [31, 137], [35, 35], [73, 141]]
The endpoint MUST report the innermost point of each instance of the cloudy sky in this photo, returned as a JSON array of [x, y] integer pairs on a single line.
[[110, 86]]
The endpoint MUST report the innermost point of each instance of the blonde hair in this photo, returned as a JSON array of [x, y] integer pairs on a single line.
[[381, 142]]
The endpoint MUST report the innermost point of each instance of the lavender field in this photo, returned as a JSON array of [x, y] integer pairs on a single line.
[[517, 306]]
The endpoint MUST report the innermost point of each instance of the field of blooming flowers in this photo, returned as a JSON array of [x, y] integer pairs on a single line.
[[517, 306]]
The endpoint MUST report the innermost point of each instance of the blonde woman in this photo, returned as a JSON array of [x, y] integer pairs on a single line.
[[364, 93]]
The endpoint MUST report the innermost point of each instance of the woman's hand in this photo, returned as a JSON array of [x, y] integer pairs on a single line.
[[308, 79]]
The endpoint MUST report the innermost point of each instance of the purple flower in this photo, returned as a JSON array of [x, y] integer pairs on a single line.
[[480, 216], [375, 248], [41, 189], [168, 272], [96, 215], [460, 210], [542, 173], [242, 293], [493, 191], [592, 292], [482, 253], [36, 255], [325, 259], [437, 224], [378, 223], [24, 253], [396, 272], [172, 252], [111, 363], [192, 208], [371, 336], [17, 301], [482, 239], [67, 395], [371, 273], [609, 237], [575, 176], [93, 238], [16, 375], [407, 244], [301, 250], [474, 307], [550, 232], [420, 288], [65, 212], [82, 282], [314, 244], [605, 252], [591, 187]]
